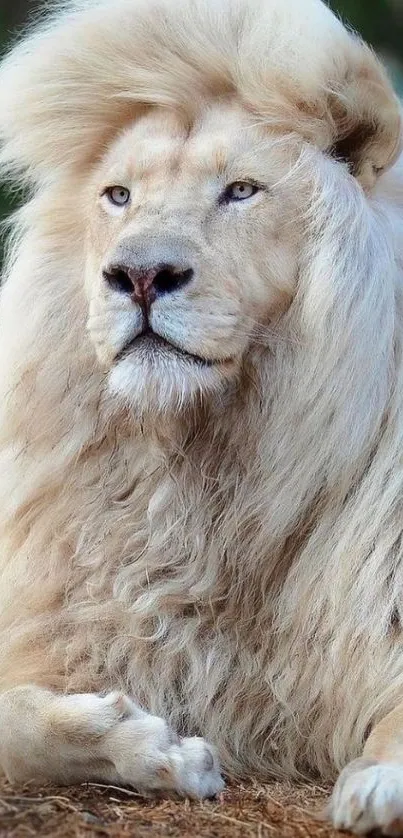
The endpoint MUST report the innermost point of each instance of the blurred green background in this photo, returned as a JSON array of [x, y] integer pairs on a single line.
[[380, 21]]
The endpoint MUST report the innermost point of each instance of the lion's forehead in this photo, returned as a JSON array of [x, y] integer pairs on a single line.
[[160, 148]]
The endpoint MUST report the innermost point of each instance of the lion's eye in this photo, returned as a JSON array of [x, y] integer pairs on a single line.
[[118, 195], [240, 191]]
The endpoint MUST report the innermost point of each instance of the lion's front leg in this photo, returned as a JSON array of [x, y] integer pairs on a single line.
[[368, 796], [73, 738]]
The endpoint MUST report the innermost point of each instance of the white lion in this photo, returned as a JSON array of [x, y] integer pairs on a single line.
[[201, 421]]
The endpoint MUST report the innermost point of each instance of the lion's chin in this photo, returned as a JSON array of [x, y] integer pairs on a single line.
[[165, 380]]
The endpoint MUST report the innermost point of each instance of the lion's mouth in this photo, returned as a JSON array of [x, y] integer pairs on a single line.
[[151, 341]]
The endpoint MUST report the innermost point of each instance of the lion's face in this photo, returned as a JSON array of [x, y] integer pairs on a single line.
[[193, 247]]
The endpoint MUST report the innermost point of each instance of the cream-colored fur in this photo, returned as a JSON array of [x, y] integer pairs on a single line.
[[219, 539]]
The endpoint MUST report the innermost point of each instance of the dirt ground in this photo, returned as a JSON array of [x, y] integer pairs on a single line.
[[274, 811]]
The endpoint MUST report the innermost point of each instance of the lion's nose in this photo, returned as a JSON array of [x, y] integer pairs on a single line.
[[144, 285]]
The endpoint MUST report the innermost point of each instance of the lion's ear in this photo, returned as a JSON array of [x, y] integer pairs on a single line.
[[365, 117]]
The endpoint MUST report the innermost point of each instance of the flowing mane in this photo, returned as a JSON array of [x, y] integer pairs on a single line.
[[252, 544]]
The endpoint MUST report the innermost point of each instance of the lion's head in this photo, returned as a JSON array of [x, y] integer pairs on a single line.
[[192, 250], [178, 155]]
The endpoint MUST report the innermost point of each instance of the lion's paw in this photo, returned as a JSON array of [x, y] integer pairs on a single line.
[[369, 798], [188, 766], [196, 769], [74, 738]]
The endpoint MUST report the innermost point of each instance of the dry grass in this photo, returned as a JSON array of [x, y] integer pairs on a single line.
[[275, 811]]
